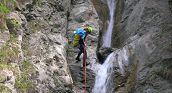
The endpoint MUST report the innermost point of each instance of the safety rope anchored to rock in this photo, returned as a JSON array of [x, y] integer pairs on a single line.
[[84, 62]]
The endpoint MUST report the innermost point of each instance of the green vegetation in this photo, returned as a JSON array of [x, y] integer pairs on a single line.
[[23, 82], [12, 24], [28, 68], [35, 25], [4, 66], [4, 9], [15, 23], [9, 52], [9, 3], [13, 38], [4, 89]]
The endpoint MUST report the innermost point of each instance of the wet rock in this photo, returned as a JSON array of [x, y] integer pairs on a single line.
[[170, 4], [103, 53], [74, 2], [83, 13], [140, 24], [78, 77]]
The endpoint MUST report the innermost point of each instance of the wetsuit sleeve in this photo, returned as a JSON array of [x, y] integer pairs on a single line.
[[84, 35], [83, 38]]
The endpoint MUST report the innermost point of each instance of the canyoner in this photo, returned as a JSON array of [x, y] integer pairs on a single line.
[[79, 38]]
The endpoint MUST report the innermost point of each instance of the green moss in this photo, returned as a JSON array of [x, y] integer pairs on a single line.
[[4, 9], [28, 68], [13, 38], [4, 89], [23, 84], [8, 52], [4, 66], [23, 81], [12, 24], [10, 4], [15, 22], [34, 25]]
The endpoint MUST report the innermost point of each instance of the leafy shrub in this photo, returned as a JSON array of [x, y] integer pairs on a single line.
[[3, 9]]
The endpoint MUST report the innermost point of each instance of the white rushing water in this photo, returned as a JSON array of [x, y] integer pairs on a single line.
[[104, 75], [121, 59], [108, 35], [103, 82]]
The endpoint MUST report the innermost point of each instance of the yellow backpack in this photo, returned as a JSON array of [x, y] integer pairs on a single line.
[[75, 41]]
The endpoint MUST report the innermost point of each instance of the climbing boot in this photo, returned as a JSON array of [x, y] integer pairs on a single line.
[[87, 63], [78, 59]]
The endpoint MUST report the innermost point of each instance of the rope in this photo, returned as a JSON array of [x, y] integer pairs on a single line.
[[84, 60]]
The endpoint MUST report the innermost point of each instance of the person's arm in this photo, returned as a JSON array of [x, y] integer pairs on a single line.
[[84, 38], [73, 35]]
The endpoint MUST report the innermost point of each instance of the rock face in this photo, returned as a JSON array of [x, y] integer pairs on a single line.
[[34, 52], [33, 47], [83, 13], [45, 47], [144, 27], [102, 11], [35, 56], [142, 37]]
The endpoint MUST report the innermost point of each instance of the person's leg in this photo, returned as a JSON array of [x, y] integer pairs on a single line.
[[81, 48]]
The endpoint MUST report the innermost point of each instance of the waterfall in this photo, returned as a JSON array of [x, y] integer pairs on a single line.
[[104, 75], [108, 35], [103, 82]]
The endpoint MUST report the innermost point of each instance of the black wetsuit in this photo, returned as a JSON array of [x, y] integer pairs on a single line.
[[81, 47]]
